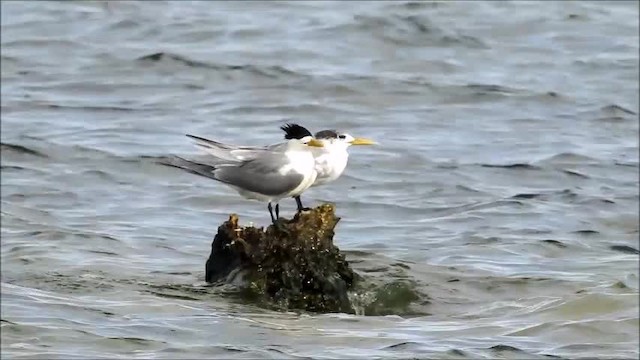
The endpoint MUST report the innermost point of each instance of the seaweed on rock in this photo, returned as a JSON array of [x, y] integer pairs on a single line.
[[293, 265]]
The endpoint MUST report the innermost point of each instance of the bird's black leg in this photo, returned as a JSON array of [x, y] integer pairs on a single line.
[[271, 212], [276, 224], [299, 203]]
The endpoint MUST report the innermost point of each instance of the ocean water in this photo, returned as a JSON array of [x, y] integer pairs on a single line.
[[499, 211]]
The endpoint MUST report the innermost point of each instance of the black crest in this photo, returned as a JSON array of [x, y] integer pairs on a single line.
[[295, 131], [326, 134]]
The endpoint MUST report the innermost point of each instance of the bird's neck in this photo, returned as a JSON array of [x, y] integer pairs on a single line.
[[335, 160]]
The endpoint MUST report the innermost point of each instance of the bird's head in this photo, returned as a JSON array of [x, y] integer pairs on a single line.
[[337, 140], [331, 139], [300, 134]]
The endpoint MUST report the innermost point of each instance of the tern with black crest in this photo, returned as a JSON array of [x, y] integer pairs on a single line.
[[330, 159], [278, 171]]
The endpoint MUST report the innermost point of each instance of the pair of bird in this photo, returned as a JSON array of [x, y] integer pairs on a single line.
[[274, 172]]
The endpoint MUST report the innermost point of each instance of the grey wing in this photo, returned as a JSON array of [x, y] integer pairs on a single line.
[[261, 175], [250, 153], [232, 152]]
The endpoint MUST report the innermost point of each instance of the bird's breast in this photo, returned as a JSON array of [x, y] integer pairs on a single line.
[[331, 165], [301, 162]]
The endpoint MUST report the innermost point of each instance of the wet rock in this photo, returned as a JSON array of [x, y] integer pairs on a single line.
[[294, 265]]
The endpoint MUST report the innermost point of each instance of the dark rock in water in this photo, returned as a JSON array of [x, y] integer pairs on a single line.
[[292, 266]]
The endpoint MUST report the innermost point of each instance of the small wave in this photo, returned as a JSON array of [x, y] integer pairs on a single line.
[[397, 297], [615, 114], [566, 195], [100, 252], [90, 108], [612, 113], [573, 16], [491, 88], [172, 272], [99, 174], [526, 196], [173, 296], [597, 201], [145, 158], [557, 243], [156, 57], [516, 166], [294, 110], [11, 167], [125, 24], [626, 164], [135, 340], [42, 42], [55, 234], [414, 5], [502, 348], [611, 119], [8, 59], [614, 109], [586, 232], [575, 173], [624, 249], [21, 149], [468, 189], [405, 345], [63, 151], [358, 254], [446, 211], [568, 158], [409, 30], [272, 71]]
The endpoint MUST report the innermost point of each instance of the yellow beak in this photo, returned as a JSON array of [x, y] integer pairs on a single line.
[[315, 143], [362, 141]]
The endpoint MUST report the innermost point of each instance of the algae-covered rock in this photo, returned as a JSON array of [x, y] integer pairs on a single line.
[[293, 265]]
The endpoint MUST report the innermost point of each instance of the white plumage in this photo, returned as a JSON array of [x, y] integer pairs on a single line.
[[279, 171], [330, 160]]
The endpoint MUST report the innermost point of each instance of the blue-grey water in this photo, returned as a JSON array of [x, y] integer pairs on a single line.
[[503, 191]]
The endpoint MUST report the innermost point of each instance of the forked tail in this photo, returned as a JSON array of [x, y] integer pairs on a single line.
[[190, 166]]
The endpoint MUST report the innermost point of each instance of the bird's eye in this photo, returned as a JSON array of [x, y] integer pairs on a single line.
[[342, 136]]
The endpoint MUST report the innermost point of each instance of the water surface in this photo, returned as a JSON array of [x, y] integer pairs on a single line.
[[504, 191]]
